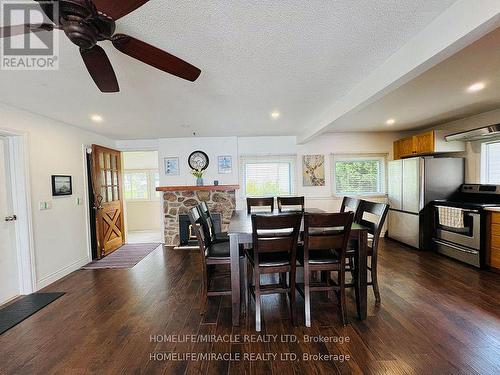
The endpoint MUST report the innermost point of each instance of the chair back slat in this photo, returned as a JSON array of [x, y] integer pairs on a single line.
[[275, 233], [327, 231], [294, 203], [197, 225], [260, 202], [209, 225], [377, 212]]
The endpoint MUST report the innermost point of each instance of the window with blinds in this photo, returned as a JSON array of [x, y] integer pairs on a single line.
[[270, 175], [359, 175], [491, 163]]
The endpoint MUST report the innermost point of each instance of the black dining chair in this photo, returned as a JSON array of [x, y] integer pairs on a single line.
[[260, 202], [274, 250], [371, 215], [215, 235], [212, 255], [293, 204], [326, 236], [350, 204]]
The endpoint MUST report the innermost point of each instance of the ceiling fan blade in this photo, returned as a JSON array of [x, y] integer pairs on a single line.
[[155, 57], [8, 31], [100, 69], [118, 8]]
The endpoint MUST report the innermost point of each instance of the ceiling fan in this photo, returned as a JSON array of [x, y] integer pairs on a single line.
[[87, 22]]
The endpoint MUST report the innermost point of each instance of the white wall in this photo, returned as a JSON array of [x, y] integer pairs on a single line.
[[60, 233], [183, 147], [345, 143]]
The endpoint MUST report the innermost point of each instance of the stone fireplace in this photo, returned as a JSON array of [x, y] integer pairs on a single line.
[[177, 200]]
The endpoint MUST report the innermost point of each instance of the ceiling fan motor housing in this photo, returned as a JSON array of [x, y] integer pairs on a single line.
[[83, 25]]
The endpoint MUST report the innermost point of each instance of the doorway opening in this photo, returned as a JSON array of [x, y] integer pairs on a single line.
[[143, 206]]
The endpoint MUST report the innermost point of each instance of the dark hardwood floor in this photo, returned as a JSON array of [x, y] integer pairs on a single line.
[[436, 317]]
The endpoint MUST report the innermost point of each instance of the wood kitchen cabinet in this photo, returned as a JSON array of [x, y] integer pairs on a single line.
[[493, 240], [426, 143]]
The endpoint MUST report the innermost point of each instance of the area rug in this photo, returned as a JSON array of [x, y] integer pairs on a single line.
[[126, 256], [23, 308]]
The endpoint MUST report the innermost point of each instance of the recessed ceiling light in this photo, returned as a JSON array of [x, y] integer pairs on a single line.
[[96, 118], [275, 115], [391, 121], [478, 86]]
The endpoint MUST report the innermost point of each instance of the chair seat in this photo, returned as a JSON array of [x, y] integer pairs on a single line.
[[319, 256], [220, 250], [269, 259]]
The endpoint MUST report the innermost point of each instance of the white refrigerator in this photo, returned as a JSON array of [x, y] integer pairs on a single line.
[[412, 184]]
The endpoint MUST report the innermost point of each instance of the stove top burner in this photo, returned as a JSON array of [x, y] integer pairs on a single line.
[[464, 204]]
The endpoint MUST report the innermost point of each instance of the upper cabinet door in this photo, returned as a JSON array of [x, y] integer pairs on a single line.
[[395, 184], [424, 143], [411, 185]]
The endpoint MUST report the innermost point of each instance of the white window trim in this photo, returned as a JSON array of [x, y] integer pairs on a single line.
[[484, 161], [245, 158], [352, 156], [151, 185]]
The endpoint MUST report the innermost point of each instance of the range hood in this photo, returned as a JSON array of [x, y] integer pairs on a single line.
[[486, 132]]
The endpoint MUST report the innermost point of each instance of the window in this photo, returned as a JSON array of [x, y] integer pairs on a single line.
[[271, 175], [491, 163], [141, 184], [359, 175]]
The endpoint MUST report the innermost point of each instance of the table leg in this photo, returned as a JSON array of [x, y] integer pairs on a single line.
[[235, 277], [362, 271]]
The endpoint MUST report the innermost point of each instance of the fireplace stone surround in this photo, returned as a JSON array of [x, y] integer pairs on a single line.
[[177, 200]]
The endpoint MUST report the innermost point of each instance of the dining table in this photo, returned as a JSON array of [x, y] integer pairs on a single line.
[[240, 233]]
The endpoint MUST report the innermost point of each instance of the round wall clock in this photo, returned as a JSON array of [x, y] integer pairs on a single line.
[[198, 160]]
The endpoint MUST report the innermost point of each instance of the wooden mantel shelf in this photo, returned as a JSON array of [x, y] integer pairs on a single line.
[[194, 188]]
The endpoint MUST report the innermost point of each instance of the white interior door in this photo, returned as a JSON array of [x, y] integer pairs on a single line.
[[9, 271]]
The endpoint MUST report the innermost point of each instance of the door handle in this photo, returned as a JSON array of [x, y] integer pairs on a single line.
[[11, 218]]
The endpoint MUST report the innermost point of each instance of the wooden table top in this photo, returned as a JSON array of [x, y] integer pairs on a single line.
[[241, 221]]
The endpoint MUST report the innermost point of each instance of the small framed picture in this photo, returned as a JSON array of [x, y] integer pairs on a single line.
[[225, 164], [171, 166], [61, 185]]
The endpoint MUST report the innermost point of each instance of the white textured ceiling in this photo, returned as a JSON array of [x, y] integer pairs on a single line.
[[438, 95], [295, 56]]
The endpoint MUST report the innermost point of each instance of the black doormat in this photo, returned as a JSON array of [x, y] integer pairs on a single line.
[[16, 312]]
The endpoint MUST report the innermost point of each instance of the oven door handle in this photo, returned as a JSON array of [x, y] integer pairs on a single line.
[[460, 248], [465, 210]]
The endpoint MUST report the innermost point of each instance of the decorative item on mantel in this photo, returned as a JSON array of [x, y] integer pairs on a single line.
[[198, 173]]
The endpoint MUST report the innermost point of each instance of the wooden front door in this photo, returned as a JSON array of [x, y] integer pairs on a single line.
[[107, 188]]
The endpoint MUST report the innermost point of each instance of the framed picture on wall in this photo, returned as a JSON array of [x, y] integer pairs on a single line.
[[61, 185], [171, 166], [313, 170], [225, 164]]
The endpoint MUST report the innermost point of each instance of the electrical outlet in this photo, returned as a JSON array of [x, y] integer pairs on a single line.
[[78, 201]]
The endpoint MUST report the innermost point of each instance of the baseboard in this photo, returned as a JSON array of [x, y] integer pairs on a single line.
[[59, 274]]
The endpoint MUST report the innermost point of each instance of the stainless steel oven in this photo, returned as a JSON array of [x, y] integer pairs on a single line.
[[462, 242], [460, 223]]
